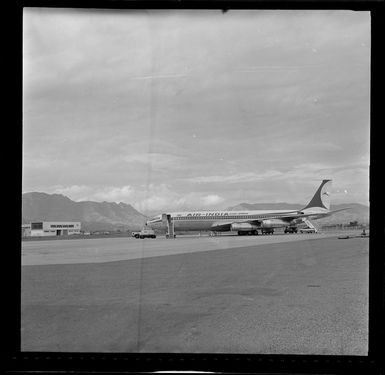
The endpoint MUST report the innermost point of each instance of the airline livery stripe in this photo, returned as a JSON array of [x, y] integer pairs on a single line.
[[246, 217]]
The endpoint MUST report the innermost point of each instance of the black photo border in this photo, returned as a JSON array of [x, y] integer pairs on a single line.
[[16, 361]]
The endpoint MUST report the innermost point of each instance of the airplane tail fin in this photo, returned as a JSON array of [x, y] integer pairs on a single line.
[[321, 198]]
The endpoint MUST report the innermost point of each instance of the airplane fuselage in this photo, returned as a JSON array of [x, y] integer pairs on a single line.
[[222, 220], [244, 221]]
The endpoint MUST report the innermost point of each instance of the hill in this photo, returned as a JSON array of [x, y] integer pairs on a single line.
[[93, 215]]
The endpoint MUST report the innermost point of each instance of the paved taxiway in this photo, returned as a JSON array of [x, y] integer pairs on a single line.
[[295, 294]]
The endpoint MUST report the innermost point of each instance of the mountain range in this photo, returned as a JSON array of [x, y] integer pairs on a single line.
[[96, 216]]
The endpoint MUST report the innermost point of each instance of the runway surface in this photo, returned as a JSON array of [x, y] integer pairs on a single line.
[[113, 249], [292, 294]]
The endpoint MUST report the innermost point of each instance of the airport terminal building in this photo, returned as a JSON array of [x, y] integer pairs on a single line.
[[50, 228]]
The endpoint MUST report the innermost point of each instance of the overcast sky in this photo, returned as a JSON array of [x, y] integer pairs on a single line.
[[196, 109]]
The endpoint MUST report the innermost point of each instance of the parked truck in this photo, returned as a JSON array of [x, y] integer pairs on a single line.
[[144, 233], [267, 230], [291, 229]]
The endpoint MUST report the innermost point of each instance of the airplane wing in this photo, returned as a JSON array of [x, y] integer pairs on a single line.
[[316, 215], [341, 209], [287, 217], [223, 226]]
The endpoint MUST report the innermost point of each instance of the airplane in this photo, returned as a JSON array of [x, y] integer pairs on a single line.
[[246, 222]]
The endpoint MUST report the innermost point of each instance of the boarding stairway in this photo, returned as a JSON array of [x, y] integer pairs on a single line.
[[310, 224], [166, 218]]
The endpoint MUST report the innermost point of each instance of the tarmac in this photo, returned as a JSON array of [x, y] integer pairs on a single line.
[[280, 294], [108, 249]]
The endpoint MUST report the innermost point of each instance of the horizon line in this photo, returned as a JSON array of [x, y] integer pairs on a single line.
[[194, 209]]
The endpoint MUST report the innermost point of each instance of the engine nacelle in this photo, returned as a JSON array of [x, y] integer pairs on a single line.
[[243, 227], [273, 223]]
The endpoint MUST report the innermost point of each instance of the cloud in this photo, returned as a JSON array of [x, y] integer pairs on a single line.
[[162, 197], [115, 100], [37, 162], [145, 198], [156, 160], [235, 178], [74, 191], [115, 194], [212, 199]]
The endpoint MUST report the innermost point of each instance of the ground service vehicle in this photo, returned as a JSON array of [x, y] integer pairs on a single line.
[[267, 230], [308, 230], [144, 233], [291, 230]]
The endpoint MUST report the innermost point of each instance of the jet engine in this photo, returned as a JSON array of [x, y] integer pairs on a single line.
[[273, 223], [243, 227]]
